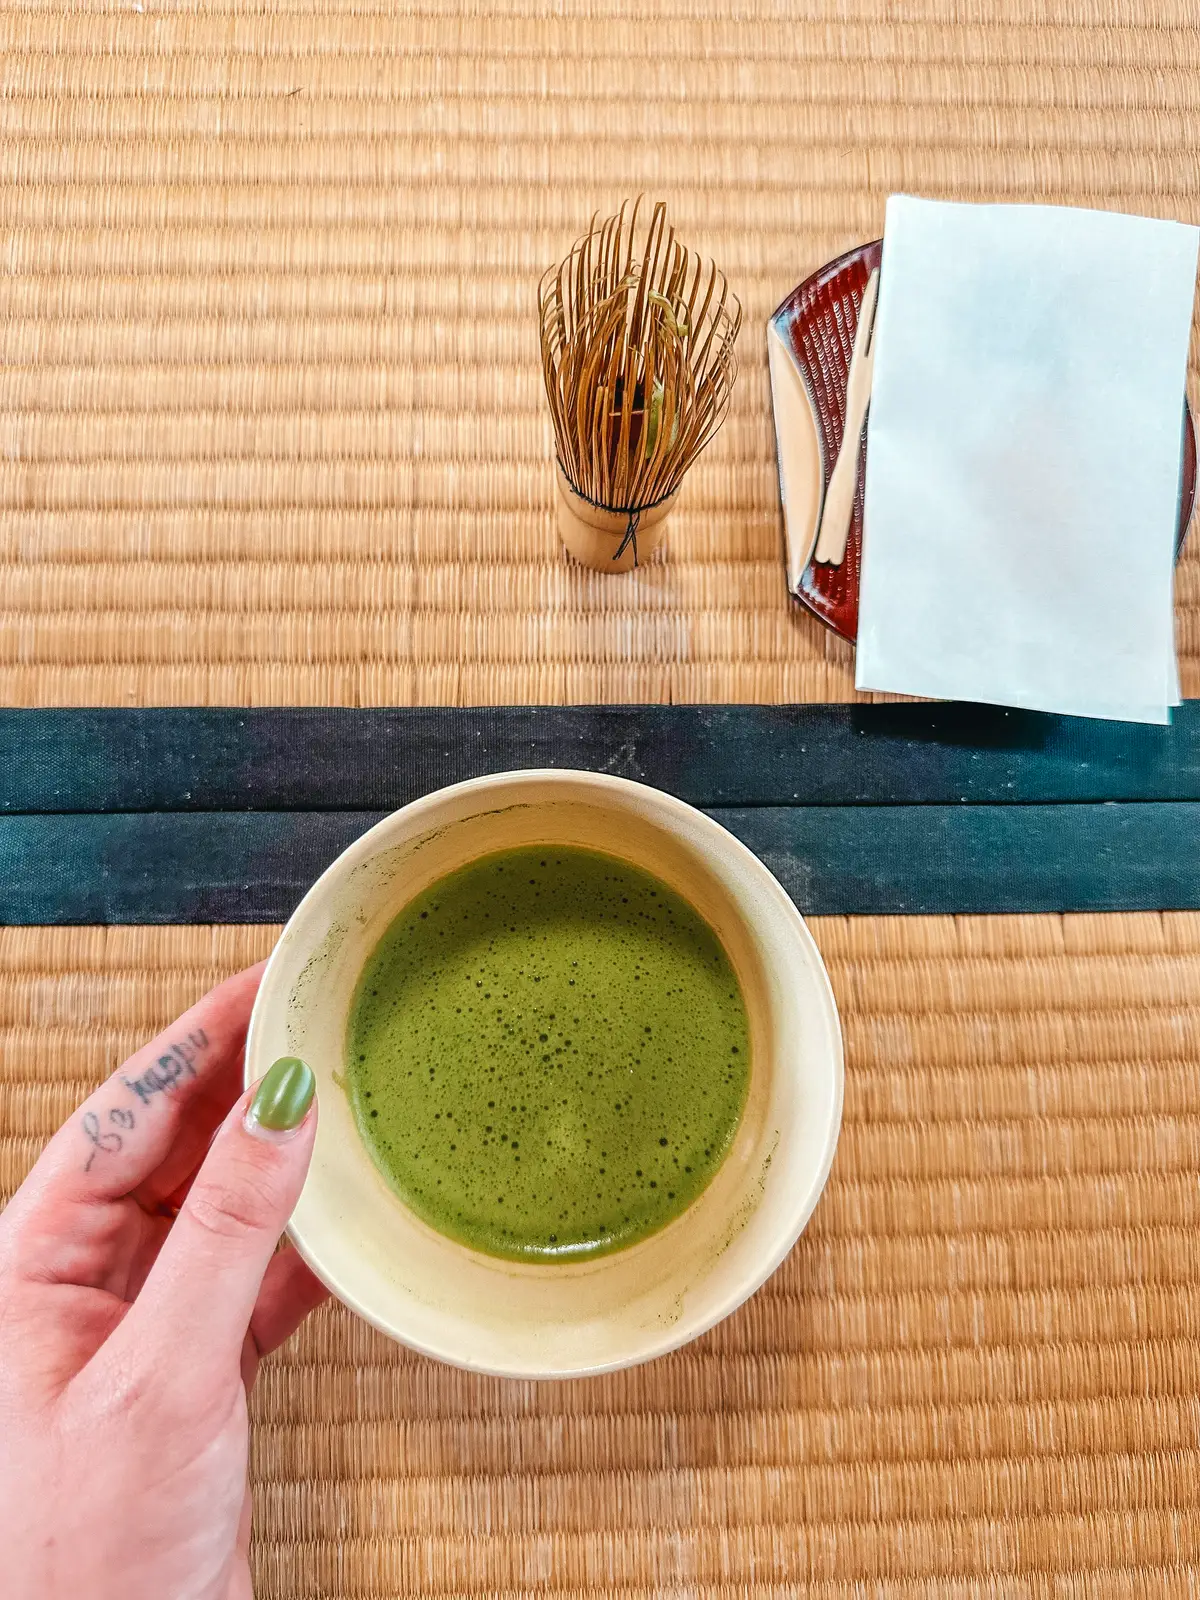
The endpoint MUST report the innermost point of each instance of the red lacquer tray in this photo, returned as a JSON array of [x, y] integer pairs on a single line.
[[817, 323]]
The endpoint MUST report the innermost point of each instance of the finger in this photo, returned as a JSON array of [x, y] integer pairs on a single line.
[[240, 1585], [164, 1191], [210, 1269], [170, 1092], [289, 1292]]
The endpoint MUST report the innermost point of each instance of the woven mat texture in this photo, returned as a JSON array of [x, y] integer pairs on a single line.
[[271, 415], [975, 1376], [272, 431]]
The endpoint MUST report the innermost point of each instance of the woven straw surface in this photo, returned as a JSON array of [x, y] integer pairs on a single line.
[[272, 432], [976, 1375], [270, 400]]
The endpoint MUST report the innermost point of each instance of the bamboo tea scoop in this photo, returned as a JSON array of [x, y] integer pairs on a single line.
[[839, 497]]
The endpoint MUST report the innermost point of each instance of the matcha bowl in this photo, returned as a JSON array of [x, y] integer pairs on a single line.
[[570, 1318]]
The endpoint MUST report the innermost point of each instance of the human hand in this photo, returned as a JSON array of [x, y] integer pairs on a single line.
[[130, 1335]]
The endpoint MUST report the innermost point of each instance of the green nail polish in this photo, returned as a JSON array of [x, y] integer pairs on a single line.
[[284, 1096]]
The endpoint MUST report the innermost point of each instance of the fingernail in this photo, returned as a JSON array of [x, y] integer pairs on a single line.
[[282, 1099]]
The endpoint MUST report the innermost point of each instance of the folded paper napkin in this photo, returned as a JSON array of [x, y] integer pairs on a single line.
[[1023, 458]]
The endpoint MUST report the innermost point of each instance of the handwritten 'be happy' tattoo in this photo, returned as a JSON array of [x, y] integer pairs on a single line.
[[164, 1077]]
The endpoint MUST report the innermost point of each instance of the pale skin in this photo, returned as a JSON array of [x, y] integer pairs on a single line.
[[130, 1336]]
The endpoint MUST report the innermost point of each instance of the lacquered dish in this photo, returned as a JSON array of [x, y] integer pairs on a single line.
[[814, 329]]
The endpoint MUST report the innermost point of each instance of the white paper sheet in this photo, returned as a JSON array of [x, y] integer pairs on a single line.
[[1023, 458]]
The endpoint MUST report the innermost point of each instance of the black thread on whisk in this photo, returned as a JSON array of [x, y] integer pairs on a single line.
[[633, 513], [630, 537]]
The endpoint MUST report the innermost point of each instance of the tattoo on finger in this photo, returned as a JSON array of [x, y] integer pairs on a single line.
[[163, 1077], [106, 1143]]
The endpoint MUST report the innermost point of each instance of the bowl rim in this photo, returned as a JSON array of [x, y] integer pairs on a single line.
[[799, 1212]]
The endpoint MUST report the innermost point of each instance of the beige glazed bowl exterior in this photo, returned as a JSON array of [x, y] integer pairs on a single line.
[[541, 1321]]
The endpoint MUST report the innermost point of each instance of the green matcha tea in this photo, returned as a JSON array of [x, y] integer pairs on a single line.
[[547, 1054]]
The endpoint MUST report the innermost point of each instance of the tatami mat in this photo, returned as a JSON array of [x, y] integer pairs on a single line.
[[976, 1375], [271, 431], [270, 408]]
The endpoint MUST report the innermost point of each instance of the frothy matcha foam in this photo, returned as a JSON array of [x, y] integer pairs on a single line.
[[548, 1054]]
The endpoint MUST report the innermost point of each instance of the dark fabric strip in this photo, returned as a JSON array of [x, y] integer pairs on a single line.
[[202, 867], [300, 759]]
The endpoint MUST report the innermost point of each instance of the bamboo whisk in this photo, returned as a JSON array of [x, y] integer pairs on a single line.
[[638, 356]]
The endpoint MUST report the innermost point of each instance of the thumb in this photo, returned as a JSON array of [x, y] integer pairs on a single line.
[[211, 1266]]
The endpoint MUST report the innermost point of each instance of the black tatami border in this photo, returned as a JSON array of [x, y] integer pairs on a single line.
[[221, 815]]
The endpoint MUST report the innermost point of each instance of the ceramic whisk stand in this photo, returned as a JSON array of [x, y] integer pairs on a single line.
[[637, 336], [600, 538]]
